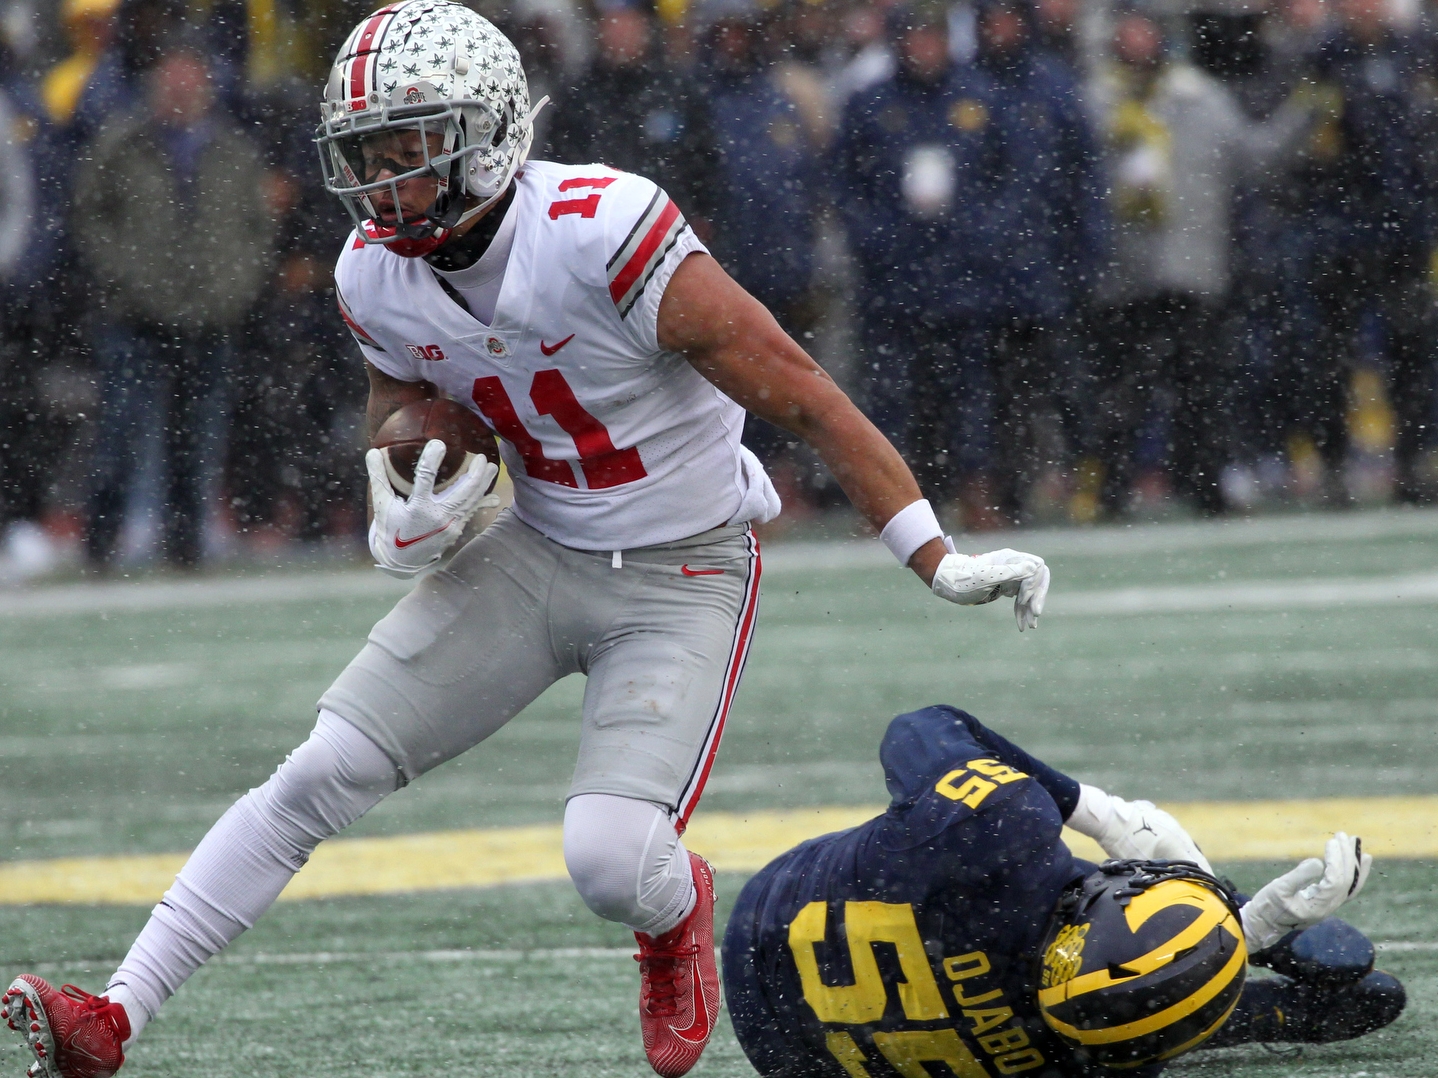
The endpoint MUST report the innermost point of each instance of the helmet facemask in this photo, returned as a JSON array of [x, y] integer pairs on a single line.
[[390, 147], [426, 91]]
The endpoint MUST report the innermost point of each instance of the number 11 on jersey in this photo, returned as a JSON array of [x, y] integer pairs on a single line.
[[604, 466]]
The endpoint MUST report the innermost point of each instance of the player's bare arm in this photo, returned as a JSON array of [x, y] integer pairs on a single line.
[[388, 395], [733, 340]]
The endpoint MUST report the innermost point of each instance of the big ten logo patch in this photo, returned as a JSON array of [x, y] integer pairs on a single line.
[[425, 351], [1064, 956]]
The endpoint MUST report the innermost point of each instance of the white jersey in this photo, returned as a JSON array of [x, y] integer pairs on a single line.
[[612, 442]]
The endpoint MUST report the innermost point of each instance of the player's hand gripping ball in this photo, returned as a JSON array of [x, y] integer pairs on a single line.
[[412, 529], [404, 435]]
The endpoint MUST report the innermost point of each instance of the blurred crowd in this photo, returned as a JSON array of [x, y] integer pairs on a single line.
[[1077, 259]]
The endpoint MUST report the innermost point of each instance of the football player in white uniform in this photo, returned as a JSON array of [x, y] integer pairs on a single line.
[[575, 311]]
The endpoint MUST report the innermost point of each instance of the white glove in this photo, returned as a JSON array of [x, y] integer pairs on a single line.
[[970, 581], [410, 534], [1306, 895], [1133, 829]]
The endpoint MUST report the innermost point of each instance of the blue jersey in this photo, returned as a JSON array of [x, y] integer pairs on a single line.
[[908, 942]]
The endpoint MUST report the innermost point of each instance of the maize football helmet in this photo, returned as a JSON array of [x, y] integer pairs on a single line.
[[1142, 961], [439, 69]]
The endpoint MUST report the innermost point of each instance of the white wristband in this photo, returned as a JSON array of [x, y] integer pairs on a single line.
[[910, 528]]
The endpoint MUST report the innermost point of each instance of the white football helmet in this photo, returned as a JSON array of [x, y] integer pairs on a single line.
[[438, 68]]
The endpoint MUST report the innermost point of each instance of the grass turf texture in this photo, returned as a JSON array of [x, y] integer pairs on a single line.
[[132, 732]]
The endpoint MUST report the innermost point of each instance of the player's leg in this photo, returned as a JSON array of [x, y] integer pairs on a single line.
[[1327, 991], [627, 862], [458, 657], [462, 654], [1282, 1010], [234, 875], [662, 677], [247, 858]]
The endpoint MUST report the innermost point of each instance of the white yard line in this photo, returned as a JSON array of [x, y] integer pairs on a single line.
[[323, 585], [114, 597], [1250, 595], [331, 958], [324, 958], [1396, 946], [1134, 538]]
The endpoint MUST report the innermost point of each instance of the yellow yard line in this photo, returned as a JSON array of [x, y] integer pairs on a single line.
[[733, 841]]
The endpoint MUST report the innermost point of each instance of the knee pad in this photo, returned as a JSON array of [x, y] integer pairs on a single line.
[[627, 862], [326, 784]]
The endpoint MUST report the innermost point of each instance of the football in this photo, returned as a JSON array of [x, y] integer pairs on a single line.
[[405, 433]]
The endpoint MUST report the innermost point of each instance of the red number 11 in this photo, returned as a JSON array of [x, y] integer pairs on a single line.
[[604, 466]]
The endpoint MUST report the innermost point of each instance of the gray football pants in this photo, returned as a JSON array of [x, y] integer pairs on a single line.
[[662, 638]]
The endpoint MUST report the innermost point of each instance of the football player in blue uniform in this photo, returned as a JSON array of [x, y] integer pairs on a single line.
[[958, 929]]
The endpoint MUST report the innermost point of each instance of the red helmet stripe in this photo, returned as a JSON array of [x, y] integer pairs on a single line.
[[370, 38]]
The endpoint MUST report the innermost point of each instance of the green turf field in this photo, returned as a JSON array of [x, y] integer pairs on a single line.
[[127, 725]]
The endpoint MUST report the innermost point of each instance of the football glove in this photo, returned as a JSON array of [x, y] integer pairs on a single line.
[[1307, 894], [1133, 829], [411, 534], [972, 580]]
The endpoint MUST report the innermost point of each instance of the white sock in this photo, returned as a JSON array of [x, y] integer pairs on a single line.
[[134, 1010], [627, 862], [247, 858]]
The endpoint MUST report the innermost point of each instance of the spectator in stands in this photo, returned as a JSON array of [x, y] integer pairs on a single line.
[[24, 549], [970, 198], [45, 291], [1263, 58], [907, 147], [767, 187], [633, 111], [767, 177], [1177, 147], [1046, 224], [170, 218], [294, 458], [1058, 24], [1364, 199], [145, 28], [807, 57]]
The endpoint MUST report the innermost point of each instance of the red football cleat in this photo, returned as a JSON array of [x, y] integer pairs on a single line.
[[72, 1033], [679, 983]]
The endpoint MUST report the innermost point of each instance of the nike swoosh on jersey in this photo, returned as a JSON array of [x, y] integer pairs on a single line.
[[550, 349], [402, 543], [700, 572]]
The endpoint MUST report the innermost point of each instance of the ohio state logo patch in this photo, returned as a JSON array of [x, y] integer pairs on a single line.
[[496, 346]]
